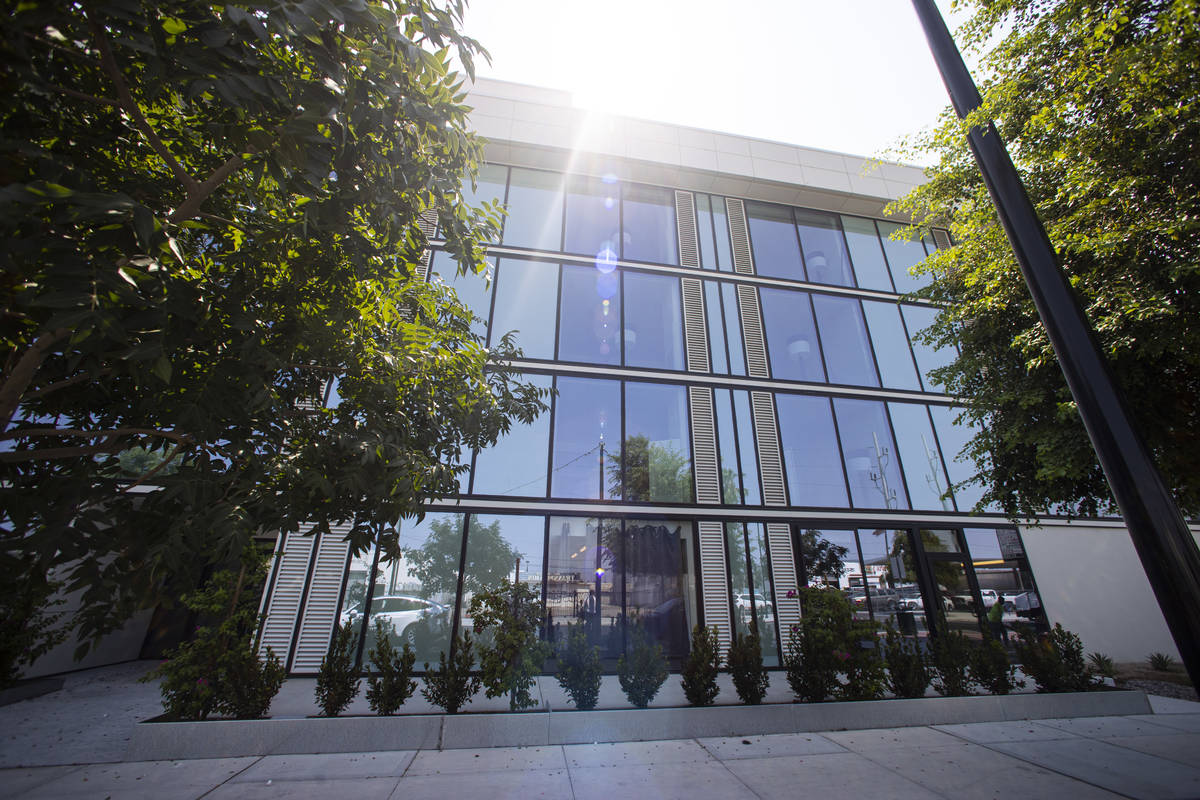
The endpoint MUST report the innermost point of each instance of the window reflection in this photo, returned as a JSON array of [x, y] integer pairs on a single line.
[[792, 341], [902, 255], [871, 464], [535, 205], [587, 429], [892, 353], [593, 209], [774, 242], [525, 298], [653, 321], [354, 595], [475, 291], [516, 464], [590, 324], [716, 328], [953, 438], [926, 479], [584, 585], [747, 448], [929, 358], [648, 217], [848, 354], [1004, 577], [733, 330], [866, 252], [810, 451], [654, 463], [825, 258], [489, 188], [653, 562]]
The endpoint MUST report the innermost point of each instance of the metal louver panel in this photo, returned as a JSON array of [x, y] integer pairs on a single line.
[[427, 222], [714, 585], [783, 576], [685, 227], [766, 435], [752, 328], [739, 237], [283, 606], [695, 329], [941, 239], [321, 602], [704, 446]]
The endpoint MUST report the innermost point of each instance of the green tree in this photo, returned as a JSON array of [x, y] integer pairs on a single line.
[[822, 558], [646, 470], [507, 618], [213, 214], [435, 563], [1099, 102]]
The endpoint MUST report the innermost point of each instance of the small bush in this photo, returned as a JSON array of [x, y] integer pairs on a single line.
[[251, 683], [991, 670], [862, 665], [702, 667], [1101, 665], [907, 675], [1161, 662], [451, 685], [1054, 660], [512, 659], [642, 671], [337, 680], [750, 678], [29, 628], [395, 684], [579, 668], [950, 662], [811, 656]]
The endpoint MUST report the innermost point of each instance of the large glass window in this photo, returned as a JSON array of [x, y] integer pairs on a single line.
[[590, 323], [918, 318], [791, 336], [810, 451], [774, 242], [731, 482], [753, 600], [953, 438], [733, 329], [354, 596], [648, 231], [900, 586], [747, 448], [825, 257], [867, 254], [499, 547], [516, 464], [585, 583], [716, 328], [892, 353], [526, 293], [903, 254], [848, 356], [655, 463], [1002, 570], [475, 291], [587, 417], [653, 321], [927, 484], [489, 187], [535, 210], [871, 464], [593, 218], [655, 556]]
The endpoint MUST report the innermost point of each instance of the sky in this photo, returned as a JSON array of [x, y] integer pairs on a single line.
[[854, 76]]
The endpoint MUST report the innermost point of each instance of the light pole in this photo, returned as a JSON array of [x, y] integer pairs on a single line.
[[1162, 539]]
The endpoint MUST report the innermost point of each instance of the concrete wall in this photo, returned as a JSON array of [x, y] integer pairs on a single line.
[[1092, 582]]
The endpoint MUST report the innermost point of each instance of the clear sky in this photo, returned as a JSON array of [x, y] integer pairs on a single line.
[[848, 75]]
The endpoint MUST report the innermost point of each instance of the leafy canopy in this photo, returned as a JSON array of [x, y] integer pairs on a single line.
[[212, 214], [1099, 103]]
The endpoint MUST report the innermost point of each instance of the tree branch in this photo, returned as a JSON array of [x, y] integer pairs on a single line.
[[111, 433], [17, 381], [199, 192], [104, 101], [54, 387], [166, 460]]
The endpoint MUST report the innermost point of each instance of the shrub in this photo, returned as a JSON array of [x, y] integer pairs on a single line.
[[579, 669], [512, 659], [28, 627], [337, 679], [991, 670], [452, 684], [907, 675], [1161, 662], [1102, 665], [702, 667], [862, 664], [750, 678], [810, 657], [387, 692], [950, 662], [643, 670], [1054, 660]]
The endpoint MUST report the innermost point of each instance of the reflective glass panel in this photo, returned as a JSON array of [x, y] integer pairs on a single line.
[[489, 187], [825, 257], [963, 612], [954, 438], [829, 559], [655, 463], [716, 328], [739, 575], [791, 336], [704, 232], [940, 541], [918, 318], [1002, 570], [584, 582], [900, 587], [475, 291], [747, 449], [871, 463], [882, 597], [892, 353], [773, 241], [653, 321], [648, 232], [589, 329], [731, 493], [516, 464], [655, 599], [721, 233], [763, 597], [535, 206], [810, 451], [593, 218], [867, 254], [919, 454], [587, 412], [844, 341], [526, 292], [902, 255], [354, 596], [733, 330]]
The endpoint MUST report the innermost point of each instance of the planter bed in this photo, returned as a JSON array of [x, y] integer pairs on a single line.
[[154, 741]]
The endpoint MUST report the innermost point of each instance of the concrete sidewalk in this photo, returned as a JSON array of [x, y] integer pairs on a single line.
[[1144, 756]]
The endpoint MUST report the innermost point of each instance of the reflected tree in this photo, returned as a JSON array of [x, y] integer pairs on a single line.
[[435, 563], [646, 470], [821, 557]]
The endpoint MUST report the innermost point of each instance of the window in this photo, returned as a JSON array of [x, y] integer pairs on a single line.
[[587, 416], [655, 462], [648, 216], [774, 242], [871, 464], [866, 252], [844, 340], [903, 254], [653, 321], [535, 210], [590, 327], [792, 341], [825, 257], [525, 299], [593, 218], [516, 465], [810, 451]]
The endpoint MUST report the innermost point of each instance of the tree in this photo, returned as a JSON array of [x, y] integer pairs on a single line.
[[1099, 102], [821, 558], [212, 213], [435, 563], [646, 470]]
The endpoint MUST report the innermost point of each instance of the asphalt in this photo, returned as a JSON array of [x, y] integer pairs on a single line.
[[71, 744]]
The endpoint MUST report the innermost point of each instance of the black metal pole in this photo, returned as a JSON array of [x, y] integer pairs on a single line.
[[1162, 539]]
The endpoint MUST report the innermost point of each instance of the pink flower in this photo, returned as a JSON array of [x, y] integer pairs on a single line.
[[791, 593], [201, 682]]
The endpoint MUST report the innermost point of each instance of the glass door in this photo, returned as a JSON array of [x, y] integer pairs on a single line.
[[951, 592]]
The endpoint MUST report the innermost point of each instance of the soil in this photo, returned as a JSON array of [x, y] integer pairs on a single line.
[[1170, 683]]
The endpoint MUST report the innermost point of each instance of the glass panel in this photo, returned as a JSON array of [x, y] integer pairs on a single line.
[[891, 345], [526, 292], [590, 321], [648, 233], [721, 232], [654, 575], [516, 464], [747, 448], [763, 597], [501, 547], [923, 472], [940, 541], [731, 492], [587, 413], [962, 611], [871, 463], [425, 576], [593, 220], [810, 452], [739, 576], [900, 577], [355, 594], [867, 254], [733, 329], [656, 458], [535, 205], [844, 341], [824, 248], [791, 336], [716, 328], [882, 600], [1004, 577], [653, 321], [954, 438], [773, 241], [583, 564], [489, 187], [475, 291], [704, 231], [918, 318], [902, 255], [829, 560]]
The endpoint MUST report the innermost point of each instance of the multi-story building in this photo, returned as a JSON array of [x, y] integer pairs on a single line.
[[742, 407]]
